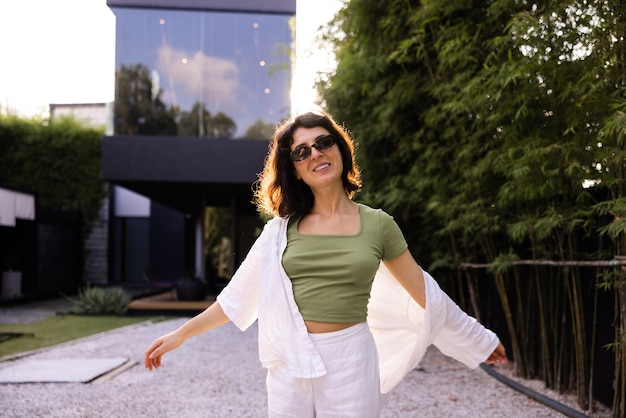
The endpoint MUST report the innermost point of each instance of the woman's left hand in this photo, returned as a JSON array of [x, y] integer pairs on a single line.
[[498, 356]]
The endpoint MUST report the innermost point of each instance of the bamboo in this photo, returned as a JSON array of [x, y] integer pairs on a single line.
[[592, 351], [522, 325], [558, 333], [573, 291], [473, 296], [518, 353], [520, 359], [620, 366], [546, 360], [545, 352]]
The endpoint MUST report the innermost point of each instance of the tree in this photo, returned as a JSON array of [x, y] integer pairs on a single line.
[[194, 123], [139, 109], [221, 126], [478, 122], [260, 130]]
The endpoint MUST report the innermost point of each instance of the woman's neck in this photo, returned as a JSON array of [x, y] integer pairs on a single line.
[[330, 205]]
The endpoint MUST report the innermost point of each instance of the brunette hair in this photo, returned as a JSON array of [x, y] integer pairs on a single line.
[[277, 191]]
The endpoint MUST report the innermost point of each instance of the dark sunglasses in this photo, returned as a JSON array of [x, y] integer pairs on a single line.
[[304, 151]]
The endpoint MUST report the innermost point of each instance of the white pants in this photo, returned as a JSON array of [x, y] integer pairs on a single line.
[[350, 387]]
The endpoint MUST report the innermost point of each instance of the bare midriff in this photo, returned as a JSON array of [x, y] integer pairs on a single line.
[[315, 327]]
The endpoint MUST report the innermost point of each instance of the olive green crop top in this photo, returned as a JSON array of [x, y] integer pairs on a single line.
[[332, 275]]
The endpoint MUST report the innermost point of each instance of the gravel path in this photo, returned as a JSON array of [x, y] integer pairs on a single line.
[[218, 375]]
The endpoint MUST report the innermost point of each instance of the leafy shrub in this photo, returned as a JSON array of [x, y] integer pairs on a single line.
[[102, 301], [57, 160]]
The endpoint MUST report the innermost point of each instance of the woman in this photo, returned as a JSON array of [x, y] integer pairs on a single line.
[[309, 277]]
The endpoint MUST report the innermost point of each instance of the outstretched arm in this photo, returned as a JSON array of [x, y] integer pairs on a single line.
[[409, 274], [211, 318]]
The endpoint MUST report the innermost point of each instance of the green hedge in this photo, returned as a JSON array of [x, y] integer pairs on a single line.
[[57, 160]]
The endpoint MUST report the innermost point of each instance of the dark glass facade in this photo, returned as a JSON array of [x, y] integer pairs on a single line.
[[188, 69], [201, 73]]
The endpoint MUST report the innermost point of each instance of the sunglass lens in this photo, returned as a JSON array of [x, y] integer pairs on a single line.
[[300, 154], [325, 142], [321, 144]]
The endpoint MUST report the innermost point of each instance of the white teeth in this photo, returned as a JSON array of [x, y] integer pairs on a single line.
[[320, 167]]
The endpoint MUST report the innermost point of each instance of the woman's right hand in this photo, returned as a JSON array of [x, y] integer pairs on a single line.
[[211, 317], [160, 346]]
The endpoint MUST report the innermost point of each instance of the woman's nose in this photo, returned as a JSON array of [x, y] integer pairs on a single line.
[[315, 152]]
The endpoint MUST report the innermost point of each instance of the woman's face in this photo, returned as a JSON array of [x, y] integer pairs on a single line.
[[321, 168]]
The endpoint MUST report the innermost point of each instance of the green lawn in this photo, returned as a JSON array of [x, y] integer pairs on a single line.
[[57, 329]]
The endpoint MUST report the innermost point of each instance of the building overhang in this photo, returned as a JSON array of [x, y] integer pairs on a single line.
[[252, 6], [185, 174], [15, 204]]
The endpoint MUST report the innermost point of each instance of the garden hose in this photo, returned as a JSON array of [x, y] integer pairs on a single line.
[[564, 409]]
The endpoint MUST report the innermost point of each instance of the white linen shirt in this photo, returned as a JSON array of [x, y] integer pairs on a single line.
[[261, 290]]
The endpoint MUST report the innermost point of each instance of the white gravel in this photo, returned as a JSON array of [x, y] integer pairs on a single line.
[[218, 375]]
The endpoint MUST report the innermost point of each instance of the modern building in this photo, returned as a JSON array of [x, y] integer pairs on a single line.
[[90, 114], [200, 87], [17, 213]]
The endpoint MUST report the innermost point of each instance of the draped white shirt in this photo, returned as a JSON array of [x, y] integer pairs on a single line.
[[261, 290]]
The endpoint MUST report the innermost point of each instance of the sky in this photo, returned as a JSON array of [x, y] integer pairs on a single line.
[[63, 51], [60, 51]]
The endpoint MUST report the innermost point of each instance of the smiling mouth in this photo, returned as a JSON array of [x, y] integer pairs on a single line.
[[321, 167]]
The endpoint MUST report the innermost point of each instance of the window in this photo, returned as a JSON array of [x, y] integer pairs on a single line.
[[201, 74]]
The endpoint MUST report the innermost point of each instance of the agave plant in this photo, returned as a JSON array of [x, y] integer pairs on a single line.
[[102, 301]]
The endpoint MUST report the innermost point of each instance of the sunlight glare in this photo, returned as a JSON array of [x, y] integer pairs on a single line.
[[310, 60], [44, 68]]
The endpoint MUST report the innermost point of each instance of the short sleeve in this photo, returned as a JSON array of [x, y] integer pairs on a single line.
[[394, 243]]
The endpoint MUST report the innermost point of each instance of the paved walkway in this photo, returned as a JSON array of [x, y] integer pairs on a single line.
[[218, 375], [33, 311]]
